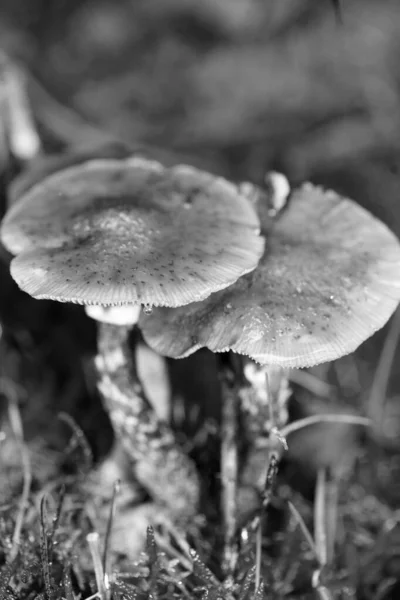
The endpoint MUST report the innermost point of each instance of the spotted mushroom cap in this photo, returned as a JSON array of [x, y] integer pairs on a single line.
[[329, 277], [115, 232]]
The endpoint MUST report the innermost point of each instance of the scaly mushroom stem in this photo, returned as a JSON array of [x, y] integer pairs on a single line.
[[160, 465]]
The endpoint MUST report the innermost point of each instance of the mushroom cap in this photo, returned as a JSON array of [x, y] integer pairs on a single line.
[[329, 277], [113, 232]]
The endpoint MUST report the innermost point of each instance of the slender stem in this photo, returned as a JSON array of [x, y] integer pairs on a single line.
[[264, 404], [258, 554], [265, 501], [320, 533], [304, 529], [265, 411], [110, 525], [16, 424], [44, 550], [315, 419], [160, 464], [103, 589], [229, 476]]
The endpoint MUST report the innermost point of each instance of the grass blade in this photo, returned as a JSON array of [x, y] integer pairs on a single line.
[[16, 425]]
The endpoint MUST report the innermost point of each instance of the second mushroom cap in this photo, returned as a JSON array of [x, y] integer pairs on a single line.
[[329, 278]]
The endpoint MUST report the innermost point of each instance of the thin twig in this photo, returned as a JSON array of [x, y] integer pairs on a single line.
[[266, 499], [330, 418], [78, 439], [184, 556], [320, 533], [16, 425], [101, 581], [116, 489], [304, 529], [44, 548], [258, 555]]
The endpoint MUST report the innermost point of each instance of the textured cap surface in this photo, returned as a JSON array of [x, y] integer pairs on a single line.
[[114, 232], [329, 277]]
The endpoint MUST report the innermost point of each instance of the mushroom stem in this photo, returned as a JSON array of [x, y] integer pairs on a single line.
[[160, 465], [264, 411], [229, 475], [264, 404]]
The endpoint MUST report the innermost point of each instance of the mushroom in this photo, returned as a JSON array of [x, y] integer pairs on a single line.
[[121, 234], [329, 278]]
